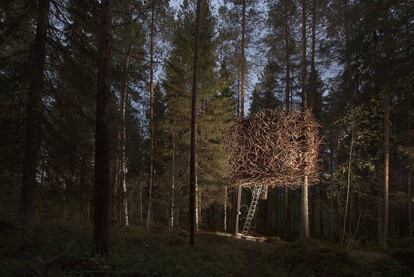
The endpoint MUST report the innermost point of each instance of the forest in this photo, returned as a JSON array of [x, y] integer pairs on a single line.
[[206, 137]]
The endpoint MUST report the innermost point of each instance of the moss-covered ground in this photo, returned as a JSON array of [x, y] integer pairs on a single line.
[[66, 251]]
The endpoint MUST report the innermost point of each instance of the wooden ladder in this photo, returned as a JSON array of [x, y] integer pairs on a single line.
[[257, 191]]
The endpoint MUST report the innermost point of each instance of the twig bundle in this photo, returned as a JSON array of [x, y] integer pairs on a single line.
[[274, 148]]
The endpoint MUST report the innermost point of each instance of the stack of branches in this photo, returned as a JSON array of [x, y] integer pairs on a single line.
[[274, 148]]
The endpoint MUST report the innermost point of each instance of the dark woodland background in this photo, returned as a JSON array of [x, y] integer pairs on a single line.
[[95, 118]]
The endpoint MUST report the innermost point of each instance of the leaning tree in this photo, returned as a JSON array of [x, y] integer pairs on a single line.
[[273, 148]]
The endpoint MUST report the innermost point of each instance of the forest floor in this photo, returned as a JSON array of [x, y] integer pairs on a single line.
[[65, 251]]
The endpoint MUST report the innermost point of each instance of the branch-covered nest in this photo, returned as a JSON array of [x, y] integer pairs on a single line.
[[274, 148]]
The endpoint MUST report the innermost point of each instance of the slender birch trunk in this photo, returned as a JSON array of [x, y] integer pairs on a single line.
[[122, 160], [348, 188], [193, 175]]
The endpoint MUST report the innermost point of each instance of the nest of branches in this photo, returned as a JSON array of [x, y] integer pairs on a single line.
[[274, 148]]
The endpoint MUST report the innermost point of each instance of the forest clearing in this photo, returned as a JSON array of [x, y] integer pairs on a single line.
[[206, 138]]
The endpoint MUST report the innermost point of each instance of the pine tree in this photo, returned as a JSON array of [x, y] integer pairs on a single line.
[[102, 148], [33, 116]]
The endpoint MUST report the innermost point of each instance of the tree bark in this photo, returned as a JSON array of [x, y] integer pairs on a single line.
[[141, 200], [386, 169], [172, 189], [102, 135], [305, 210], [305, 187], [347, 188], [225, 210], [32, 137], [241, 105], [312, 84], [152, 140], [192, 195], [321, 218], [303, 58], [410, 204], [286, 219], [83, 189], [331, 198], [122, 160]]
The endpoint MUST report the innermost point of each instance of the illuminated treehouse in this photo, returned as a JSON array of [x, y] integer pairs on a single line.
[[272, 148]]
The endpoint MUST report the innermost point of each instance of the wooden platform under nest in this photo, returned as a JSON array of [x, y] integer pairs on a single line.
[[251, 238], [245, 237]]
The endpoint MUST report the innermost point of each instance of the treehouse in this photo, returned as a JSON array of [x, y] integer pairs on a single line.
[[272, 148]]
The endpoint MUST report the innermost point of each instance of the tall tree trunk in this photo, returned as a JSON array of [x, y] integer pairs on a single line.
[[172, 189], [152, 140], [331, 198], [312, 84], [410, 204], [305, 210], [115, 181], [83, 189], [102, 135], [386, 168], [241, 105], [64, 200], [198, 203], [122, 160], [192, 195], [348, 188], [305, 187], [197, 192], [286, 223], [225, 210], [32, 137], [141, 196], [321, 219]]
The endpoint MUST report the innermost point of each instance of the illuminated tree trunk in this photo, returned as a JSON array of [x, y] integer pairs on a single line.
[[102, 146], [198, 203], [122, 160], [305, 187], [305, 210], [152, 140], [286, 218], [192, 194], [32, 137]]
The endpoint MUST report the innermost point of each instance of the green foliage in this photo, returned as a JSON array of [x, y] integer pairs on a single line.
[[215, 107]]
